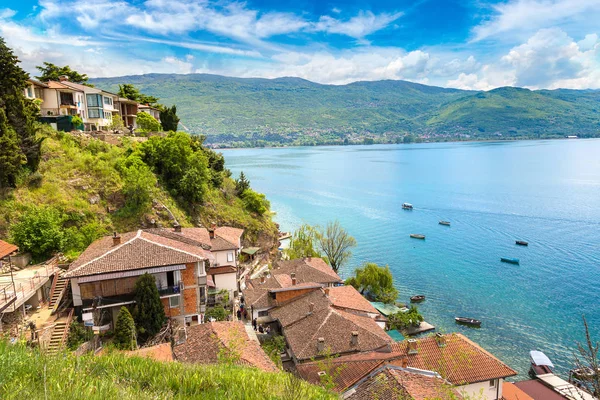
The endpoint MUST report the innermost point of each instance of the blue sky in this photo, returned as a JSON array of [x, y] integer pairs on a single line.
[[474, 44]]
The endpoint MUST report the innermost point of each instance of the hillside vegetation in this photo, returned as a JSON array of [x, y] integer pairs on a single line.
[[28, 374], [251, 112], [85, 188]]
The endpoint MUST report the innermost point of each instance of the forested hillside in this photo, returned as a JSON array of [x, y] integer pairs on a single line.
[[250, 112]]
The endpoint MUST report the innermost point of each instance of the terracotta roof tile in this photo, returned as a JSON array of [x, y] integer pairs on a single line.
[[137, 250], [349, 298], [7, 248], [460, 361], [308, 270], [225, 269], [512, 392], [205, 341], [343, 374]]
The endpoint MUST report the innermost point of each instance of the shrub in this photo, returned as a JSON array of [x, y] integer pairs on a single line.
[[255, 202], [125, 331], [401, 320], [147, 122], [219, 313], [274, 346], [138, 185], [39, 231], [149, 314], [78, 334]]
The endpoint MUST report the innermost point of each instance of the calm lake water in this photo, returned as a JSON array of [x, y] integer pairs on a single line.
[[544, 192]]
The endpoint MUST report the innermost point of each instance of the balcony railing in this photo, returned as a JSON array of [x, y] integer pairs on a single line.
[[169, 290]]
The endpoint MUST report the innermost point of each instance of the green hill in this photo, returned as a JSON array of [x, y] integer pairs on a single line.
[[249, 111], [28, 374]]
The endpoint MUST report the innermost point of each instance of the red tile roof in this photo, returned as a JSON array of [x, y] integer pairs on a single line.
[[205, 342], [512, 392], [7, 248], [349, 298], [137, 250], [460, 361]]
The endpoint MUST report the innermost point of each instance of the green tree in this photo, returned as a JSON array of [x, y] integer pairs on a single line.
[[125, 331], [138, 184], [303, 243], [117, 123], [241, 184], [51, 72], [335, 243], [374, 281], [11, 156], [77, 122], [403, 320], [148, 123], [39, 231], [20, 115], [130, 92], [587, 360], [169, 119], [218, 313], [255, 202], [149, 314]]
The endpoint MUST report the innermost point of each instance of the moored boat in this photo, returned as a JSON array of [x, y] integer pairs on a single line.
[[445, 223], [417, 299], [540, 364], [522, 243], [417, 236], [509, 260], [468, 321], [407, 206]]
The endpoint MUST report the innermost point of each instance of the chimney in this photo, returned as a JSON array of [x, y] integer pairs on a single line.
[[327, 291], [116, 239], [293, 275], [262, 279], [211, 232], [412, 346], [311, 307], [320, 344], [354, 340], [440, 339], [63, 78], [177, 228]]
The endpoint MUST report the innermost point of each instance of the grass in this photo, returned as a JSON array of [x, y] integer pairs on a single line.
[[29, 374]]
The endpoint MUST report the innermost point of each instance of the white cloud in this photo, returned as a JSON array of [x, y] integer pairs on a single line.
[[7, 13], [359, 26]]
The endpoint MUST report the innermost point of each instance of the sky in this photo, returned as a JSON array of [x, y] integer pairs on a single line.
[[468, 44]]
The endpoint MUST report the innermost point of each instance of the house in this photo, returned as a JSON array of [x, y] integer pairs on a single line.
[[313, 328], [347, 298], [153, 111], [128, 110], [35, 90], [548, 387], [100, 105], [104, 276], [211, 342], [287, 274], [60, 99]]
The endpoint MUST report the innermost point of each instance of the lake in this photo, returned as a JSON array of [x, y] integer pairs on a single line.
[[544, 192]]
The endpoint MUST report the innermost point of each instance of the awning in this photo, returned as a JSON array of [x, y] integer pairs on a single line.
[[539, 358], [250, 250], [125, 274]]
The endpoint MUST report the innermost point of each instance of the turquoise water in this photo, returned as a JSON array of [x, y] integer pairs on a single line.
[[544, 192]]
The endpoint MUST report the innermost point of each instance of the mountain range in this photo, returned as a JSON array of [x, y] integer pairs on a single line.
[[292, 111]]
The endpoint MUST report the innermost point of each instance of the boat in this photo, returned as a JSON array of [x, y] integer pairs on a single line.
[[407, 206], [522, 243], [540, 364], [445, 223], [468, 321], [509, 260], [417, 299], [417, 236]]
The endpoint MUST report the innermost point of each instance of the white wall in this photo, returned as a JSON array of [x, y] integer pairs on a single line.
[[76, 292], [482, 390], [221, 257], [226, 281]]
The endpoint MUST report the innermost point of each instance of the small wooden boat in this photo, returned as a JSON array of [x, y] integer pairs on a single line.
[[417, 236], [509, 260], [445, 223], [522, 243], [468, 321], [407, 206], [417, 299]]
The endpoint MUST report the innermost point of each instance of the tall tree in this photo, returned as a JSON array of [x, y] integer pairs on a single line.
[[169, 118], [374, 281], [303, 243], [51, 72], [20, 115], [11, 156], [130, 92], [149, 314], [588, 363], [335, 243], [125, 331], [241, 184]]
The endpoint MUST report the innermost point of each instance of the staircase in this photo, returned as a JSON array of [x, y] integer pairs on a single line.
[[59, 334], [59, 287]]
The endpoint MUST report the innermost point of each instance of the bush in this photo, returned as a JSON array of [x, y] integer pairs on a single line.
[[149, 314], [125, 331], [78, 335], [255, 202], [138, 185], [274, 346], [402, 320], [147, 122], [39, 231], [219, 313]]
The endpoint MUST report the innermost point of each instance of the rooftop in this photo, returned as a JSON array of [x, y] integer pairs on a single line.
[[205, 343], [349, 298], [512, 392], [537, 390], [6, 249]]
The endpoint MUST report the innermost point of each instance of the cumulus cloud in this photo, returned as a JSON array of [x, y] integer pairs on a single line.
[[359, 26]]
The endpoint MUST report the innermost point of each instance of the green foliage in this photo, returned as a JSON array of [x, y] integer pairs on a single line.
[[335, 243], [273, 347], [117, 123], [51, 72], [29, 374], [303, 243], [147, 122], [130, 92], [403, 320], [11, 156], [138, 185], [78, 335], [241, 184], [255, 202], [149, 314], [125, 331], [374, 281], [169, 119], [77, 122], [39, 231], [218, 313]]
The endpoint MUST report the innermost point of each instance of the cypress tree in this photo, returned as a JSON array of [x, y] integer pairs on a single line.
[[11, 156], [169, 119], [149, 313], [125, 331]]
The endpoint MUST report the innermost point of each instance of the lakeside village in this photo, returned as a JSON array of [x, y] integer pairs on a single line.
[[216, 292]]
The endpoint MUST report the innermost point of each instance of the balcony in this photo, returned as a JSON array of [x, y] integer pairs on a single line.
[[170, 290]]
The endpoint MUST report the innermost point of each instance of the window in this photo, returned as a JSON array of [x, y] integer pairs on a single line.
[[29, 92], [107, 115], [263, 313], [493, 383], [94, 113], [94, 100], [174, 301], [108, 101], [230, 256]]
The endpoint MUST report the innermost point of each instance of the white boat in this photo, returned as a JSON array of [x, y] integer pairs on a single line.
[[407, 206]]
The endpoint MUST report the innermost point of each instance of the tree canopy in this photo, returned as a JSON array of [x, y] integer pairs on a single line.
[[130, 92], [51, 72], [169, 118], [303, 243], [147, 122], [374, 281], [335, 243], [149, 314], [39, 231], [125, 338]]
